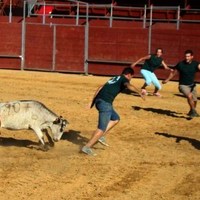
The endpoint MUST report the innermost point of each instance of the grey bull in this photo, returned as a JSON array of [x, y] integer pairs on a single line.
[[29, 114]]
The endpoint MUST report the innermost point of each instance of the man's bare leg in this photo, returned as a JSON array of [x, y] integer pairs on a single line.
[[144, 86], [111, 124], [96, 135], [192, 113], [99, 133], [156, 90], [195, 104], [191, 102]]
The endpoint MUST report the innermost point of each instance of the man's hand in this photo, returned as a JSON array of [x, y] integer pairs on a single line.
[[133, 65], [88, 106], [142, 96]]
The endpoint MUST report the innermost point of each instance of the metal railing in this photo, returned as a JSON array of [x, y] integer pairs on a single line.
[[88, 12], [81, 10], [78, 11]]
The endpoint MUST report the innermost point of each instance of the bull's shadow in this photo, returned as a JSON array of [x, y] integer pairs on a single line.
[[74, 137], [7, 142], [162, 112], [195, 143]]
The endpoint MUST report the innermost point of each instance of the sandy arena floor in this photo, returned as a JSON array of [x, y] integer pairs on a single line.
[[153, 155]]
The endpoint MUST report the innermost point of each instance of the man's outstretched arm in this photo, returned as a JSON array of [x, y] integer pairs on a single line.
[[171, 75], [134, 89]]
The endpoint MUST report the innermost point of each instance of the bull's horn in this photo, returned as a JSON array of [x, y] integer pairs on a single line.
[[57, 121]]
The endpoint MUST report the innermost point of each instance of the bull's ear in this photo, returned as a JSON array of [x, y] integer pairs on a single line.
[[57, 121], [65, 122]]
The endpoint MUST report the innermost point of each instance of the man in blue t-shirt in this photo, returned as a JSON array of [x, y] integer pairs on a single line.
[[187, 70], [103, 100]]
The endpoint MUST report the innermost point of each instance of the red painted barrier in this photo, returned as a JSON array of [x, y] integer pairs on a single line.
[[117, 44], [70, 49], [39, 47], [175, 43], [115, 47], [10, 45]]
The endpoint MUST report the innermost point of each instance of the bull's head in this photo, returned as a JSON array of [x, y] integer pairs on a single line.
[[58, 127]]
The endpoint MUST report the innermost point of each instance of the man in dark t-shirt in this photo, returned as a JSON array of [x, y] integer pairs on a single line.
[[103, 100], [187, 70]]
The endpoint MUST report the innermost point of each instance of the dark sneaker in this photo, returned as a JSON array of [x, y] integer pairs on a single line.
[[189, 113], [88, 151], [102, 140], [194, 113]]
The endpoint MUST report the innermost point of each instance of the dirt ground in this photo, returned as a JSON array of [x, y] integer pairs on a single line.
[[153, 155]]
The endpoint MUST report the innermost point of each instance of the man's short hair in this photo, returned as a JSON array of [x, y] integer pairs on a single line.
[[128, 70], [189, 52], [159, 49]]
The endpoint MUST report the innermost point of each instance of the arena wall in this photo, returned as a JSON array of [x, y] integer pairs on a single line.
[[10, 45], [62, 48]]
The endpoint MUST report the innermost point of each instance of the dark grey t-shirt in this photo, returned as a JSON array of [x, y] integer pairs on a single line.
[[112, 88]]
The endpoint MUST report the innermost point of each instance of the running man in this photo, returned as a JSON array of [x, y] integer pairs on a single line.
[[152, 62], [187, 70], [103, 100]]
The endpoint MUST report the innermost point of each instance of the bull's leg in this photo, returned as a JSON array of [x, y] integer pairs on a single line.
[[51, 143], [40, 135]]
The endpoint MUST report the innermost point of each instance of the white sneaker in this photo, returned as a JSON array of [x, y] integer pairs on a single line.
[[88, 151], [157, 94], [144, 92], [102, 140]]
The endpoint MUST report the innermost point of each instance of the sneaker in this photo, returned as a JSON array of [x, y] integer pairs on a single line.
[[189, 113], [102, 140], [144, 92], [194, 113], [157, 94], [88, 151]]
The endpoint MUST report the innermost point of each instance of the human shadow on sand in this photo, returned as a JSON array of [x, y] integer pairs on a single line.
[[74, 137], [162, 112], [129, 92], [195, 143], [181, 95]]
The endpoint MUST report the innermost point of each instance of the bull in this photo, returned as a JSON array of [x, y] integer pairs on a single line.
[[30, 114]]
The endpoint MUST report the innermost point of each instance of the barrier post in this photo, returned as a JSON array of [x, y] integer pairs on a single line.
[[111, 15], [23, 40], [54, 49], [145, 16], [86, 45], [77, 14], [150, 30], [44, 13], [10, 12], [178, 18]]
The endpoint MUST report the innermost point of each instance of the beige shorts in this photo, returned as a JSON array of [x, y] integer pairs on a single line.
[[187, 89]]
